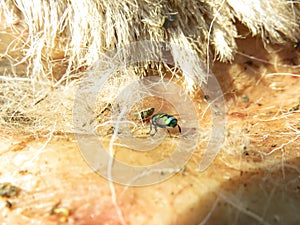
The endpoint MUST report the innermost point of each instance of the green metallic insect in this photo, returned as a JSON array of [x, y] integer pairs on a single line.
[[163, 120]]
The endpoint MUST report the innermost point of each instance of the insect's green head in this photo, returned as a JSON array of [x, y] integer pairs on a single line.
[[173, 123]]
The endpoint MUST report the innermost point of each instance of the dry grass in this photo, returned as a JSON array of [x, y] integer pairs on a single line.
[[52, 44]]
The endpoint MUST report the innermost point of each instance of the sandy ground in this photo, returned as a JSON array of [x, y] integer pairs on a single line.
[[255, 179]]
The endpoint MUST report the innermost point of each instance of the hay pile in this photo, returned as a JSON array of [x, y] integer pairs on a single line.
[[51, 43], [49, 47]]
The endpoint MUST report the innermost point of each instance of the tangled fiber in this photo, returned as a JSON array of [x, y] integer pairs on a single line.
[[53, 42]]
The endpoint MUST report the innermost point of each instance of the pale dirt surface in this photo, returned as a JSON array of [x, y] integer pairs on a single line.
[[254, 180]]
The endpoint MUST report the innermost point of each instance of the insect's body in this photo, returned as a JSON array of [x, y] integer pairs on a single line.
[[163, 120]]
